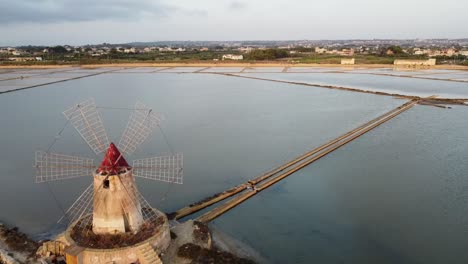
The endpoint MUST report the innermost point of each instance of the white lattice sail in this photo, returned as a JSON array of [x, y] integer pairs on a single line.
[[95, 201], [148, 212], [87, 121], [55, 166], [142, 121], [162, 168], [83, 206], [137, 200]]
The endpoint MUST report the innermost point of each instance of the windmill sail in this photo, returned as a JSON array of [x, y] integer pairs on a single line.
[[147, 210], [87, 121], [103, 207], [55, 166], [148, 213], [162, 168], [142, 121], [83, 206]]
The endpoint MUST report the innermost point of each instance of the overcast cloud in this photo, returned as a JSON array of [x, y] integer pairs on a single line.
[[47, 11], [237, 5], [50, 22]]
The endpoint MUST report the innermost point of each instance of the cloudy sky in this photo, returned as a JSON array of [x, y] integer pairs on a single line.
[[49, 22]]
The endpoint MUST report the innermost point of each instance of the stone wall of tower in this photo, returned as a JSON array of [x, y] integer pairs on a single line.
[[116, 205], [159, 242]]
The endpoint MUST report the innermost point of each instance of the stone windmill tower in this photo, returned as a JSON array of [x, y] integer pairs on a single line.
[[112, 204], [115, 203]]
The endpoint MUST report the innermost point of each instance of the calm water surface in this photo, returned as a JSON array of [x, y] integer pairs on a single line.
[[390, 84], [395, 195]]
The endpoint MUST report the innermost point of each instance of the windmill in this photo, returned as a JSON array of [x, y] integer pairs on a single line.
[[112, 203]]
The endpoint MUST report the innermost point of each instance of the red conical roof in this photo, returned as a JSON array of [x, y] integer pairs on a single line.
[[113, 161]]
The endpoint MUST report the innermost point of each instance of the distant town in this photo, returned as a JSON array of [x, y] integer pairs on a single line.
[[440, 51]]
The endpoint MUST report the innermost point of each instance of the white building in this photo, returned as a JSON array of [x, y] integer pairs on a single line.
[[419, 52], [320, 50], [245, 49], [169, 49], [150, 49], [130, 50], [233, 57]]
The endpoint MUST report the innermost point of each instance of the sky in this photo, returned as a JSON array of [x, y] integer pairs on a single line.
[[78, 22]]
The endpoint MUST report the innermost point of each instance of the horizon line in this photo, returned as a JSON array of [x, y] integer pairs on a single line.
[[243, 40]]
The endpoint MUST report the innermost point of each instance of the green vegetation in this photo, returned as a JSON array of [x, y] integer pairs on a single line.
[[336, 59], [397, 50], [61, 55], [58, 50], [166, 56], [458, 59], [320, 59], [267, 54]]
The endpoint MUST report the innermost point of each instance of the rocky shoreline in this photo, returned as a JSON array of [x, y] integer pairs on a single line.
[[193, 242], [16, 247]]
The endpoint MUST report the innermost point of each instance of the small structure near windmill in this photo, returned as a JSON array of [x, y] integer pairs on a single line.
[[111, 222], [232, 57]]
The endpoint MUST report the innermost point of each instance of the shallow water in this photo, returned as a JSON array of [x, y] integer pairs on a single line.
[[224, 69], [182, 69], [366, 202], [263, 69], [449, 76], [389, 84], [395, 195]]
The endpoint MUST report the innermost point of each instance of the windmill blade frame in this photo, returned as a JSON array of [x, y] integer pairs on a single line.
[[82, 206], [92, 202], [86, 120], [52, 166], [161, 168], [148, 212], [140, 125]]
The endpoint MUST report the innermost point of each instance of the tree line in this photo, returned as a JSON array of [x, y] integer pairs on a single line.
[[267, 54]]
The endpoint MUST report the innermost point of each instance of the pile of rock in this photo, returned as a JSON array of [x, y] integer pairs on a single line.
[[16, 247], [6, 258], [192, 243]]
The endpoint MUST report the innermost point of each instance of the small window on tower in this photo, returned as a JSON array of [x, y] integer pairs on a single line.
[[106, 184]]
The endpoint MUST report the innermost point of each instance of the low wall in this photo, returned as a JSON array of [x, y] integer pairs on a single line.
[[429, 62], [159, 242], [348, 61], [55, 247], [126, 255]]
